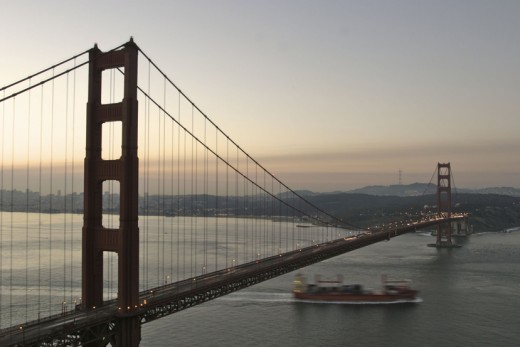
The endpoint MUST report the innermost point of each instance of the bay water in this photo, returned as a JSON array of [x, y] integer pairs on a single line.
[[470, 297]]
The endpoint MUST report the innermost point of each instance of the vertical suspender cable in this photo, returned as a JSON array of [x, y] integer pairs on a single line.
[[281, 221], [179, 198], [246, 204], [256, 203], [237, 196], [145, 197], [40, 206], [261, 224], [252, 206], [65, 192], [216, 200], [205, 199], [264, 220], [184, 255], [196, 193], [193, 253], [142, 189], [159, 169], [13, 131], [178, 186], [2, 205], [271, 224], [172, 195], [72, 184], [163, 192], [11, 219], [252, 202], [286, 213], [51, 194], [293, 232], [160, 199], [27, 206], [227, 201], [244, 211], [266, 208], [147, 183]]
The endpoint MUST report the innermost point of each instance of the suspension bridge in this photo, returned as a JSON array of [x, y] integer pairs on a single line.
[[144, 207]]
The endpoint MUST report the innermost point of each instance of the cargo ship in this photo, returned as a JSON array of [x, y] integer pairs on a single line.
[[334, 291]]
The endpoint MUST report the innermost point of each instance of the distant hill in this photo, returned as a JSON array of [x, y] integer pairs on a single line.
[[496, 190], [418, 189], [414, 189], [490, 209], [303, 193], [488, 212]]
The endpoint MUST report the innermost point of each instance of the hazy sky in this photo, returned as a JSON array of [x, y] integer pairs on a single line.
[[328, 95]]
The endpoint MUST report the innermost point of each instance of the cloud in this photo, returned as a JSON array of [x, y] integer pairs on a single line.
[[478, 164]]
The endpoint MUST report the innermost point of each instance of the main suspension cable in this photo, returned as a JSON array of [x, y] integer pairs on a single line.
[[28, 78]]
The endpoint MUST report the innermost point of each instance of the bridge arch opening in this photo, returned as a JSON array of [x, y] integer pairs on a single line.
[[111, 133], [112, 85], [111, 204]]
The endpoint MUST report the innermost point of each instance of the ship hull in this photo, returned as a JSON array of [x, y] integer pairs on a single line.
[[356, 298]]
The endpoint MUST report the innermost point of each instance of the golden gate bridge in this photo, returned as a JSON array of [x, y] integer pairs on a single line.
[[144, 207]]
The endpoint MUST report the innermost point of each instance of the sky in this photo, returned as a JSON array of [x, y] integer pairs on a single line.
[[327, 95]]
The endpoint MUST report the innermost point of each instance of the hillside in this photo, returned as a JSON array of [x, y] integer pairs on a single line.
[[488, 212], [418, 189]]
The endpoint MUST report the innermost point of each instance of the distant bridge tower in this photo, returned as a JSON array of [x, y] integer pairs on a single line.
[[96, 238], [444, 204]]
